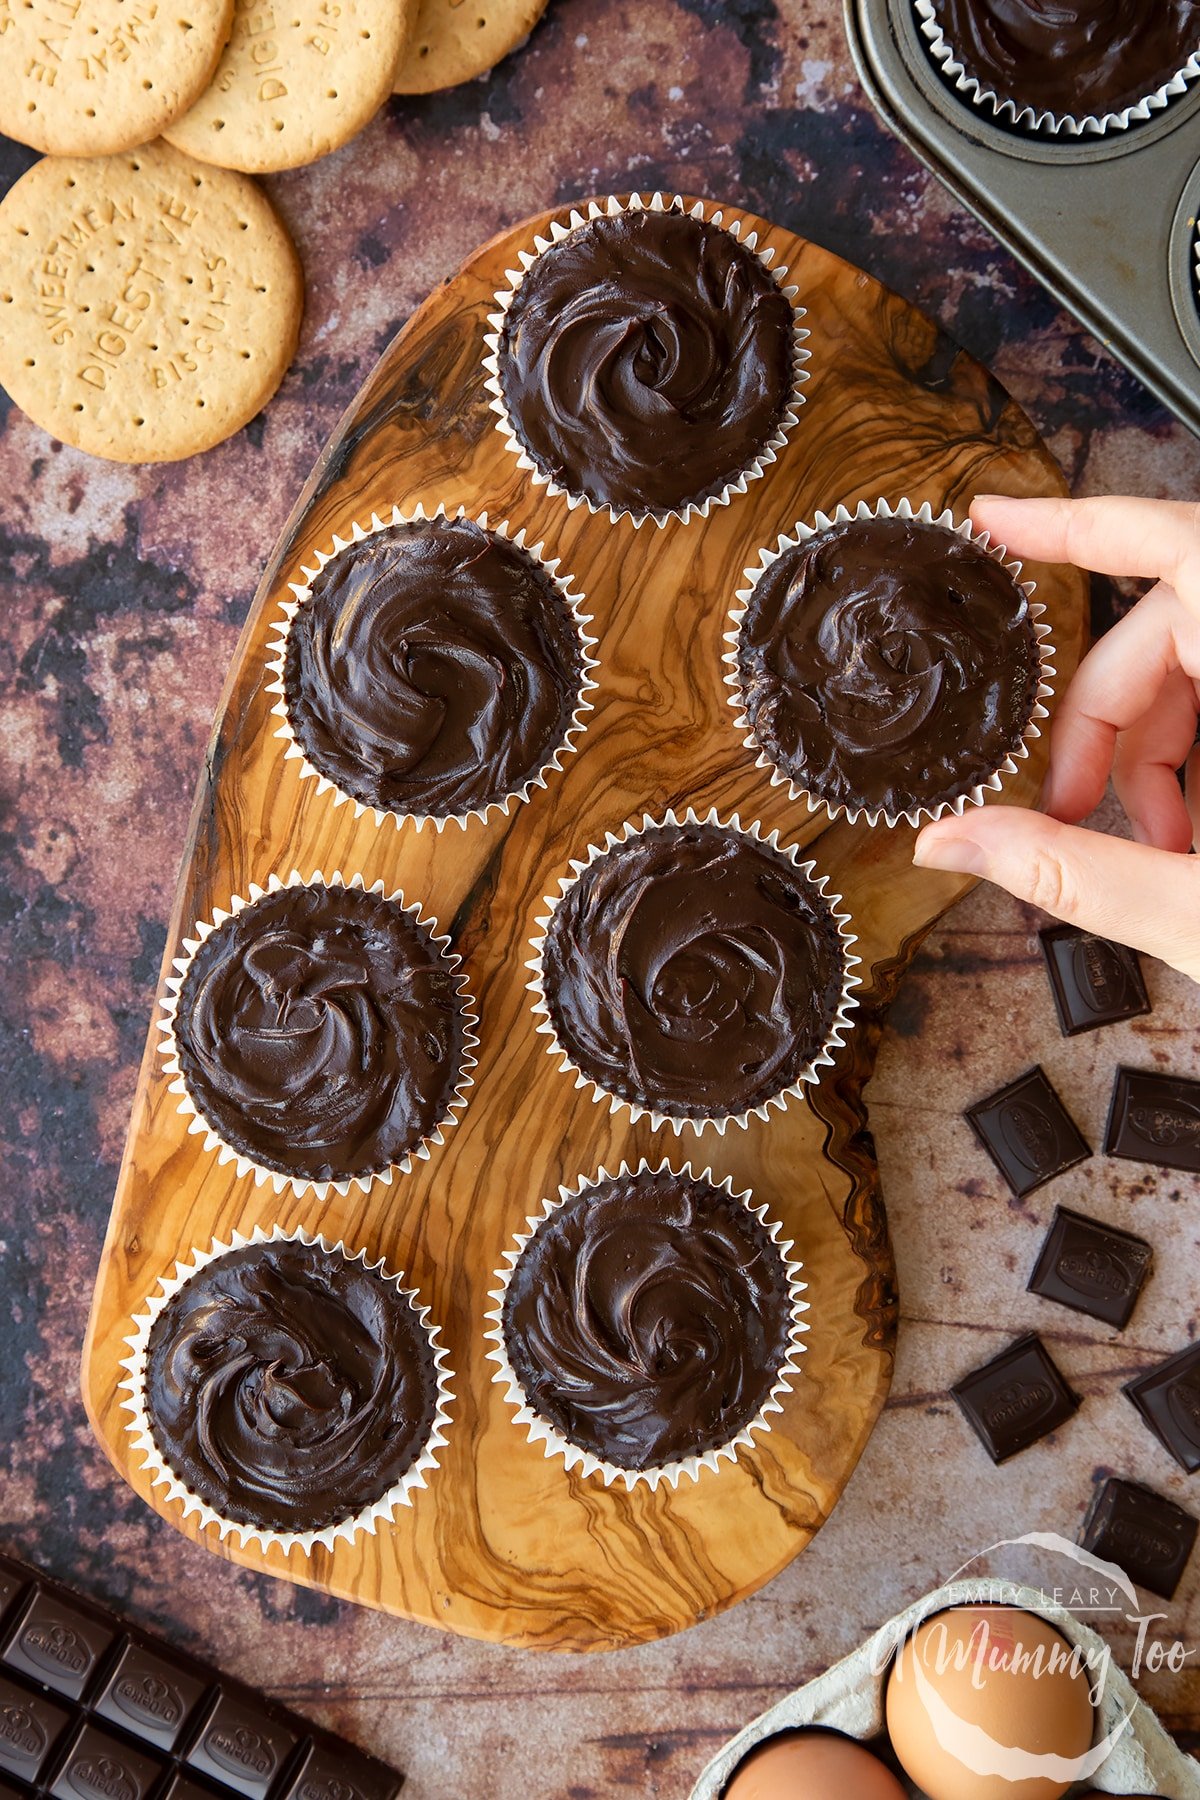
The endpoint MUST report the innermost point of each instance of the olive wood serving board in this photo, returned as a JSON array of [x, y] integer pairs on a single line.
[[504, 1543]]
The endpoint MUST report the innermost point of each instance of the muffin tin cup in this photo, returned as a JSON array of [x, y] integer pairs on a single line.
[[689, 1468], [140, 1428], [197, 1122], [302, 594], [1029, 119], [611, 208], [679, 1123], [924, 514]]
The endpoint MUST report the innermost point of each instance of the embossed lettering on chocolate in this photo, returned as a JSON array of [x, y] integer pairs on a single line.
[[288, 1386], [693, 971], [887, 664], [434, 669], [1087, 58], [646, 360], [647, 1318], [320, 1032]]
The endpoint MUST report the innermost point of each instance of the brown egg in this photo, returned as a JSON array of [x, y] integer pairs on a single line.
[[812, 1765], [989, 1685]]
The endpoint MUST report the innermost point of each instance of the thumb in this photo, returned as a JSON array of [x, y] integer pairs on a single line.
[[1140, 896]]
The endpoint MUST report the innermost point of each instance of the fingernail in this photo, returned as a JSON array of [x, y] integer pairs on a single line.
[[956, 855]]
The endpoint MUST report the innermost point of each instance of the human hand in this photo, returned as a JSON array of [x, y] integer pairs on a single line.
[[1131, 710]]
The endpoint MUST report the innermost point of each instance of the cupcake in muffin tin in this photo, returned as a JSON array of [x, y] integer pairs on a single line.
[[1064, 70]]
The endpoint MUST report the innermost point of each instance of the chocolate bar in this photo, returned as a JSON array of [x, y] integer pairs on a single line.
[[1017, 1398], [91, 1709], [1155, 1118], [1093, 1268], [1093, 982], [1028, 1132], [1168, 1398], [1142, 1532]]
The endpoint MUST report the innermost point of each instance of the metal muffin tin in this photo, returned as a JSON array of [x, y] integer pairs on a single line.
[[1108, 223]]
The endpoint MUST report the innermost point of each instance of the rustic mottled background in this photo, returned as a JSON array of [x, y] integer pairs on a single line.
[[123, 593]]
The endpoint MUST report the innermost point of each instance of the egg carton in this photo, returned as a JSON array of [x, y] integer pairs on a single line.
[[849, 1698]]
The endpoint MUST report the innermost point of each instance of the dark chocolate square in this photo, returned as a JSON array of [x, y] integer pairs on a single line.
[[1142, 1532], [57, 1642], [189, 1787], [1155, 1118], [1028, 1132], [13, 1580], [1015, 1399], [1090, 1267], [1094, 982], [99, 1766], [151, 1694], [1168, 1398], [241, 1745], [30, 1727], [335, 1772]]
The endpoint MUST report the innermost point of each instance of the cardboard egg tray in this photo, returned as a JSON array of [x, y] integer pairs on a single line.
[[849, 1698], [1108, 223]]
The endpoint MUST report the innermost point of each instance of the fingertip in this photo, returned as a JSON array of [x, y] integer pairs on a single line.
[[947, 845], [1067, 797], [985, 506], [1167, 831]]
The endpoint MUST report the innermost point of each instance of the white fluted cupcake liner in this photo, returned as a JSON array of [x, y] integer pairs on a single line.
[[141, 1429], [540, 1430], [923, 514], [198, 1124], [611, 208], [1044, 122], [302, 592], [811, 1072]]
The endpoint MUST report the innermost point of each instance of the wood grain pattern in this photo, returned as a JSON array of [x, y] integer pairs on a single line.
[[505, 1544]]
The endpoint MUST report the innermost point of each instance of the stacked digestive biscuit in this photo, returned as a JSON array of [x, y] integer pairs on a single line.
[[150, 298]]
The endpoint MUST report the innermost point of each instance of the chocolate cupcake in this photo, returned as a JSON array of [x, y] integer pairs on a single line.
[[431, 668], [646, 359], [320, 1034], [888, 663], [647, 1324], [1073, 70], [286, 1390], [693, 970]]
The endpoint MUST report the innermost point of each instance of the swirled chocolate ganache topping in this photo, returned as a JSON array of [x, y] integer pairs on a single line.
[[288, 1386], [647, 1318], [693, 971], [646, 360], [434, 669], [888, 664], [320, 1033], [1074, 58]]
